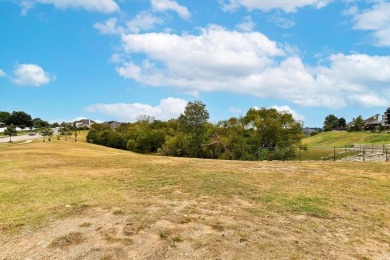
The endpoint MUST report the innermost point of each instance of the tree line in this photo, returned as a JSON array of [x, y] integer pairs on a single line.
[[332, 122], [276, 134]]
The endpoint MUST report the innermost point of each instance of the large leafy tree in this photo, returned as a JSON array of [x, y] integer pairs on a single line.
[[331, 122], [342, 122], [273, 128], [21, 119], [10, 131], [193, 122], [39, 123], [5, 117]]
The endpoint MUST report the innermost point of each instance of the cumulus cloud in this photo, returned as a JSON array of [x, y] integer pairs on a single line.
[[2, 73], [102, 6], [377, 20], [287, 109], [266, 5], [168, 108], [249, 63], [170, 5], [31, 75]]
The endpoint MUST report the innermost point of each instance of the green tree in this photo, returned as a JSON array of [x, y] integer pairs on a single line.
[[10, 131], [331, 122], [39, 123], [47, 132], [193, 123], [5, 117], [342, 122], [387, 116], [21, 119], [358, 124], [274, 131]]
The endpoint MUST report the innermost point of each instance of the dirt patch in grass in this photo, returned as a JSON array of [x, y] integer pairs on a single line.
[[73, 238]]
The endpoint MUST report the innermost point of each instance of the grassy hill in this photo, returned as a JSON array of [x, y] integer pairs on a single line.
[[80, 200], [340, 139]]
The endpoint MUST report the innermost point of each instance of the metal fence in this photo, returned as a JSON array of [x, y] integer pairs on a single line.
[[356, 153]]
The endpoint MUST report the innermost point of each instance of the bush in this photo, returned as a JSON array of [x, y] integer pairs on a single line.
[[130, 145]]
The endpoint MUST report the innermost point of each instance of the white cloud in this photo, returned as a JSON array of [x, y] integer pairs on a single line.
[[31, 75], [168, 108], [102, 6], [143, 21], [377, 20], [247, 25], [267, 5], [108, 27], [249, 63], [288, 110], [2, 73], [170, 5], [368, 100], [281, 22]]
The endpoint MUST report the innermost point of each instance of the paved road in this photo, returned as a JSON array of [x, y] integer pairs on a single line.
[[20, 138]]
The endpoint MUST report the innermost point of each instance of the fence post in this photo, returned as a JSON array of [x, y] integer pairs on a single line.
[[364, 154], [334, 154], [386, 156], [345, 148], [383, 147]]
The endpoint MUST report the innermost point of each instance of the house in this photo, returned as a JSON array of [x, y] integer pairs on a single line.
[[84, 123], [371, 122], [375, 121], [2, 124]]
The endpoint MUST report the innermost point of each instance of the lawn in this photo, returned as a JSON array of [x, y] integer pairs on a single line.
[[86, 201], [342, 138]]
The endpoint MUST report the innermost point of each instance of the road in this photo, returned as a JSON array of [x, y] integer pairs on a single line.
[[20, 138]]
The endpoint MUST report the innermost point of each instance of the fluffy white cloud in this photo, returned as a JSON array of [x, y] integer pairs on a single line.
[[31, 75], [170, 5], [288, 110], [102, 6], [167, 109], [377, 20], [267, 5], [2, 73], [249, 63]]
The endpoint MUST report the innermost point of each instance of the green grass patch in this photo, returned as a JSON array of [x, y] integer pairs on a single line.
[[341, 139], [312, 206]]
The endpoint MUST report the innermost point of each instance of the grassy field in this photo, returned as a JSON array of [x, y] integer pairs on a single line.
[[341, 139], [91, 202]]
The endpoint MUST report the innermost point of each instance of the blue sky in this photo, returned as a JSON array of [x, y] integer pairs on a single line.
[[118, 59]]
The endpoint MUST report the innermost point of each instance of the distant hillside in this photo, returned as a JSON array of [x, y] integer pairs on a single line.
[[335, 138]]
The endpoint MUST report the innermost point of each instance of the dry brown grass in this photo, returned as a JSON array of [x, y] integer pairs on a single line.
[[202, 208]]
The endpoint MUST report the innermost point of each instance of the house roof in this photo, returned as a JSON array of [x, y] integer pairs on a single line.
[[85, 122], [373, 120]]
